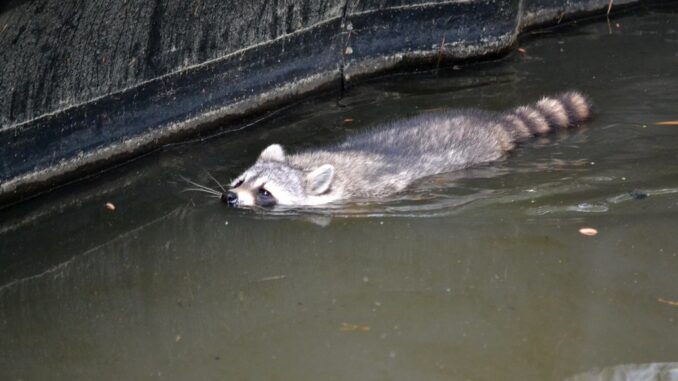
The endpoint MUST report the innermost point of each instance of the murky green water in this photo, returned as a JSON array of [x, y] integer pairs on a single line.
[[486, 278]]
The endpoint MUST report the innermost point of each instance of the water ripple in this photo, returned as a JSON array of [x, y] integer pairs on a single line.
[[579, 208]]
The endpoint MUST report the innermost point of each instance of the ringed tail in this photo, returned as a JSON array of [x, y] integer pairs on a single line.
[[549, 114]]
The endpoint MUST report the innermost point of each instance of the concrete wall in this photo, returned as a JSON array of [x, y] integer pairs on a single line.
[[86, 83]]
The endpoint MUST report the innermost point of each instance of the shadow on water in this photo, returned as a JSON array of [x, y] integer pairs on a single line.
[[480, 274]]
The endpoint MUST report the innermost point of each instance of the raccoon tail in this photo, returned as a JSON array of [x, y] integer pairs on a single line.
[[549, 114]]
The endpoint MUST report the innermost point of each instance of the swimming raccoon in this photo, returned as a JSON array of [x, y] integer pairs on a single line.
[[386, 159]]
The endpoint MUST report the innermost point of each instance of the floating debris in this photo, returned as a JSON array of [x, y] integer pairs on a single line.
[[110, 206], [667, 123], [638, 195], [522, 50], [589, 232], [274, 277], [347, 327], [668, 302], [440, 52], [348, 120]]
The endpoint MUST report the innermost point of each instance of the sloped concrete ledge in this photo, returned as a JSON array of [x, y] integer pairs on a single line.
[[166, 84]]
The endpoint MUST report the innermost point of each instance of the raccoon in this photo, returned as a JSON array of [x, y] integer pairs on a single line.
[[387, 159]]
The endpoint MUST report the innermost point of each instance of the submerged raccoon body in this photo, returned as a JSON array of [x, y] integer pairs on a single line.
[[387, 159]]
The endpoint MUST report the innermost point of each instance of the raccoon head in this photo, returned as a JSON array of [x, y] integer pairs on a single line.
[[273, 181]]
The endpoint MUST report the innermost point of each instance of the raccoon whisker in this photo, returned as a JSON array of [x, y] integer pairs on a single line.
[[206, 188], [199, 190], [213, 193], [199, 185], [215, 180]]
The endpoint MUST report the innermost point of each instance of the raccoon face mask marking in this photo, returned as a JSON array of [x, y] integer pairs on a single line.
[[273, 181], [256, 186]]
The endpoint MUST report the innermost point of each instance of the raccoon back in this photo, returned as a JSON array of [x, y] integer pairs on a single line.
[[388, 158]]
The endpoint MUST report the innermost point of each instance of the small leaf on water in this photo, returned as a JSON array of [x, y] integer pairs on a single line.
[[589, 232]]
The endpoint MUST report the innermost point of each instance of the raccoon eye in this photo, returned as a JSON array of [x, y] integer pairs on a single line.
[[264, 198]]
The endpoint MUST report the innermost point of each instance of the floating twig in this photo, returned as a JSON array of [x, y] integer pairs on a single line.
[[668, 123], [273, 277], [672, 303], [347, 327], [440, 52]]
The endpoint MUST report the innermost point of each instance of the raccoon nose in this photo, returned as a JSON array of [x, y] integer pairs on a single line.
[[229, 197]]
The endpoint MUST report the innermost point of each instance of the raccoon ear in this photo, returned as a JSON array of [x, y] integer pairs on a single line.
[[320, 179], [274, 152]]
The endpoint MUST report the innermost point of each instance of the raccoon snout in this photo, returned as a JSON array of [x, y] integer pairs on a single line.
[[231, 198]]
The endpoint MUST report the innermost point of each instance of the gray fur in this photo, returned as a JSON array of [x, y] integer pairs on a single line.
[[385, 160]]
